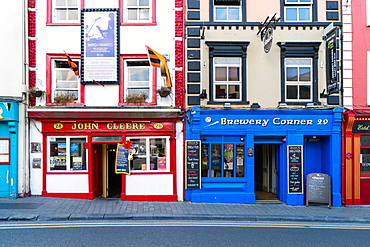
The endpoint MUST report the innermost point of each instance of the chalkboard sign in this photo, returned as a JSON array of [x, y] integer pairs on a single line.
[[193, 164], [318, 188], [295, 169], [122, 162]]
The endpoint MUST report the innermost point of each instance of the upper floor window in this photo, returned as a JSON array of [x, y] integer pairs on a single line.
[[298, 10], [298, 74], [64, 12], [227, 10], [227, 78], [139, 11], [139, 80]]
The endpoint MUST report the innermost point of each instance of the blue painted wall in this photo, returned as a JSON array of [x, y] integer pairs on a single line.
[[280, 127]]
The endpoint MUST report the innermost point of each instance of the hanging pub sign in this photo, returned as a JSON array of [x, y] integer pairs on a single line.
[[361, 127], [295, 169], [267, 31], [193, 164], [332, 62], [122, 158], [100, 46]]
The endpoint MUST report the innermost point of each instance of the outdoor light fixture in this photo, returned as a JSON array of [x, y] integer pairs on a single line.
[[227, 105], [282, 105]]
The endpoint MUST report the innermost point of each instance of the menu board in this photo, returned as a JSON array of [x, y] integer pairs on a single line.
[[193, 164], [318, 188], [122, 162], [295, 169]]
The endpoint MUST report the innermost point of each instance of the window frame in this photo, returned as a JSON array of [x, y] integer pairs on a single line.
[[235, 49], [153, 85], [50, 75], [50, 21], [148, 154], [312, 4], [215, 7], [152, 15], [242, 13], [298, 83], [68, 152]]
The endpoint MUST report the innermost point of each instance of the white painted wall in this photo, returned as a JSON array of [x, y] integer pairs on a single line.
[[161, 184], [63, 183]]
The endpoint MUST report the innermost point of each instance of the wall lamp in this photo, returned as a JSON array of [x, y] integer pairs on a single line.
[[282, 105], [203, 95]]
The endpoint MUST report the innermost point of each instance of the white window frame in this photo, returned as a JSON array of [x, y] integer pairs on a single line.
[[227, 83], [126, 79], [68, 153], [215, 7], [137, 7], [66, 7], [54, 89], [297, 5], [299, 83], [147, 144]]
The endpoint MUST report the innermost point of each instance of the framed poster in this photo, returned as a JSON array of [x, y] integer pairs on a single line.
[[5, 151], [100, 46], [122, 161], [295, 169]]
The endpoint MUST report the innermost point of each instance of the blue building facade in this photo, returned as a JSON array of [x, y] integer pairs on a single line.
[[245, 153], [9, 120]]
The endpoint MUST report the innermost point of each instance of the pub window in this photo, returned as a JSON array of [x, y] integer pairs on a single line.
[[227, 10], [222, 160], [298, 79], [150, 154], [138, 11], [365, 155], [62, 12], [65, 84], [67, 154]]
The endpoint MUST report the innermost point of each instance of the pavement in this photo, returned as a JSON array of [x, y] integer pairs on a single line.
[[36, 208]]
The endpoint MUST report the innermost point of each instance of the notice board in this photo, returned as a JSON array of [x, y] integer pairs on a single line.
[[193, 164], [122, 162], [295, 169], [318, 188]]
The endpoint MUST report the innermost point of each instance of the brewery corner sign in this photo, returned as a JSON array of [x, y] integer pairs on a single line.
[[267, 31]]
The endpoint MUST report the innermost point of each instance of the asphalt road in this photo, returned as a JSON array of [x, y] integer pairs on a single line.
[[170, 233]]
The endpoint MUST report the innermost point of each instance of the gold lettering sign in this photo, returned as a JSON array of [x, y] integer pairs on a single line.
[[58, 126], [158, 126]]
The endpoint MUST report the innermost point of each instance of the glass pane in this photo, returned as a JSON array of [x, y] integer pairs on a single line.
[[107, 138], [304, 74], [234, 92], [131, 2], [220, 91], [58, 152], [365, 161], [216, 160], [60, 2], [291, 74], [221, 74], [158, 154], [240, 160], [61, 14], [72, 3], [233, 14], [234, 74], [139, 154], [365, 140], [291, 14], [226, 60], [78, 154], [228, 160], [220, 14], [291, 92], [138, 77], [305, 92], [205, 160], [144, 14], [73, 14], [304, 14], [144, 2], [132, 14]]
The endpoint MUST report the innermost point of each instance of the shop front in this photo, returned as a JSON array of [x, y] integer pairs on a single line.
[[80, 156], [250, 155], [356, 158], [9, 121]]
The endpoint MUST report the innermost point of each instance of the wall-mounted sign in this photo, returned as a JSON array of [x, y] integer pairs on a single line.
[[122, 161], [361, 127], [100, 46], [295, 169], [267, 31], [193, 164], [5, 151], [332, 62], [267, 39]]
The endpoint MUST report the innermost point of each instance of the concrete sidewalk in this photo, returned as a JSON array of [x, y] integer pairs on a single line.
[[36, 208]]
